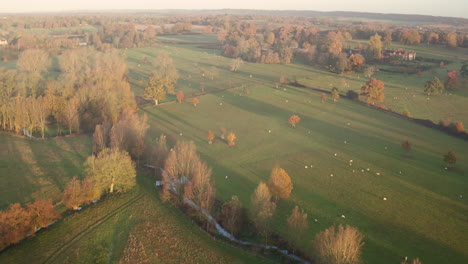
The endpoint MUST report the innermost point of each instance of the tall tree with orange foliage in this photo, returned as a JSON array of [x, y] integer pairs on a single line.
[[42, 213], [180, 97], [279, 183], [231, 137], [451, 80], [294, 120], [210, 137], [373, 91]]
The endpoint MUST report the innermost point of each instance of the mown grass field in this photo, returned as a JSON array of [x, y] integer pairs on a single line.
[[424, 214], [35, 169]]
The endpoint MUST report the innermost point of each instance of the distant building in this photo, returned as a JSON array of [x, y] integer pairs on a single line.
[[399, 53], [3, 42]]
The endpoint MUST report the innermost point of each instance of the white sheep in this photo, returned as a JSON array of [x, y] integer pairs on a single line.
[[331, 175], [377, 173], [305, 166], [226, 177], [385, 198], [343, 216]]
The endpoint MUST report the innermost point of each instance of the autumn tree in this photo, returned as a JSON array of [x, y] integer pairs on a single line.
[[335, 95], [451, 40], [297, 225], [195, 101], [323, 97], [373, 91], [210, 137], [15, 224], [33, 61], [231, 137], [338, 245], [406, 145], [42, 213], [101, 137], [71, 114], [73, 195], [387, 40], [450, 158], [262, 208], [294, 120], [200, 187], [410, 36], [279, 184], [232, 215], [457, 127], [356, 61], [374, 50], [433, 87], [451, 80], [180, 97], [112, 170], [128, 133], [157, 88], [235, 64], [159, 151], [341, 64], [166, 71], [179, 168]]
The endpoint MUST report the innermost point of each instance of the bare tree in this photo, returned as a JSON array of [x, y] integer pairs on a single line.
[[339, 245], [232, 215]]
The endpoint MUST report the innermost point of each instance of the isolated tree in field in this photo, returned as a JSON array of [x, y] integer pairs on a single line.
[[112, 170], [374, 50], [335, 95], [33, 61], [231, 137], [262, 208], [450, 158], [195, 101], [223, 132], [42, 213], [352, 95], [279, 184], [338, 245], [373, 91], [406, 145], [235, 64], [15, 224], [433, 87], [232, 215], [294, 120], [166, 70], [72, 196], [210, 137], [180, 97], [297, 225], [157, 88], [323, 97], [451, 80]]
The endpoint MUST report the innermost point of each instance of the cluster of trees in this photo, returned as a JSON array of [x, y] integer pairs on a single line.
[[231, 137], [18, 222], [111, 170], [186, 175], [91, 89], [265, 45]]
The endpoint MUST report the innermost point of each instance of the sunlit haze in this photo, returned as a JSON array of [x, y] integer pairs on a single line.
[[452, 8]]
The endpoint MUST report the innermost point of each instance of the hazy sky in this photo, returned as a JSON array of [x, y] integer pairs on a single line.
[[454, 8]]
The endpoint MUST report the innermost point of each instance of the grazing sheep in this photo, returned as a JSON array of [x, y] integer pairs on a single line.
[[315, 220], [377, 173], [269, 131], [287, 101], [351, 161], [336, 154], [180, 134], [385, 199], [331, 175], [220, 103], [305, 166], [368, 169], [226, 177], [343, 216], [346, 142]]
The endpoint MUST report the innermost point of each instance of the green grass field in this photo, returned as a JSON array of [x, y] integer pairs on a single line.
[[423, 215], [34, 169]]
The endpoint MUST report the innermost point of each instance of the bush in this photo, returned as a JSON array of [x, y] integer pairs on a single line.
[[352, 95]]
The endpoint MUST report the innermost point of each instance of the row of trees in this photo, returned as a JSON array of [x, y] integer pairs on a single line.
[[18, 222], [91, 89]]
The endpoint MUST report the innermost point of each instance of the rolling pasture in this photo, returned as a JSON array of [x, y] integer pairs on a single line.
[[343, 158]]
